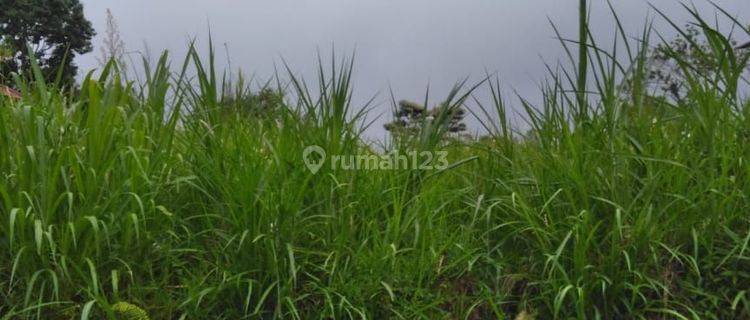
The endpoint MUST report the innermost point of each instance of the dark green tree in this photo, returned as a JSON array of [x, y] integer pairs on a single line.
[[666, 62], [54, 30], [410, 117]]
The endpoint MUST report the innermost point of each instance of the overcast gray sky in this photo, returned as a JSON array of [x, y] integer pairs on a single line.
[[400, 44]]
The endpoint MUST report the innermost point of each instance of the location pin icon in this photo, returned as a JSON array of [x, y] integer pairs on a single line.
[[314, 157]]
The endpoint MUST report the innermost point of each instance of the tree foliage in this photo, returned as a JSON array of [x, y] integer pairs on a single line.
[[411, 117], [667, 61], [54, 30]]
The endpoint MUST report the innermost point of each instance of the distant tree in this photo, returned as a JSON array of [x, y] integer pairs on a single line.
[[411, 116], [664, 72], [56, 31], [113, 47], [266, 103]]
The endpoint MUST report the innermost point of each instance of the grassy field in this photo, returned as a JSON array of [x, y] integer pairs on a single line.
[[169, 198]]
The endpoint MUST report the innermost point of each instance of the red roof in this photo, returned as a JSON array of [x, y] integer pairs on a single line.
[[8, 92]]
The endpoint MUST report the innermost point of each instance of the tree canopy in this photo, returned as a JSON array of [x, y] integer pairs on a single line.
[[410, 118], [54, 30], [692, 49]]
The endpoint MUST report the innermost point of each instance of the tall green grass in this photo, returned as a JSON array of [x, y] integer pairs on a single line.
[[170, 197]]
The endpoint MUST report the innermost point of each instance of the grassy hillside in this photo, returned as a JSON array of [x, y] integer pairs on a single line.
[[170, 198]]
